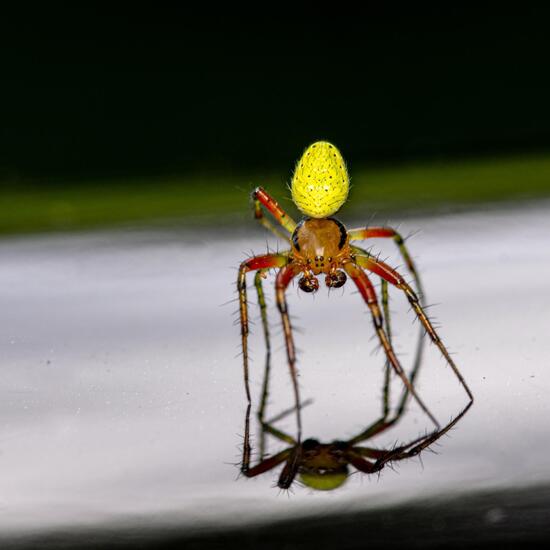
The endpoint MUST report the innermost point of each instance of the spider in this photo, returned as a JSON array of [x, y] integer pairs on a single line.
[[321, 245]]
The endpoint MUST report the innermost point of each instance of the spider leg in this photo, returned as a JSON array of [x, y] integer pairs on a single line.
[[268, 463], [364, 233], [291, 455], [383, 423], [368, 293], [393, 277], [360, 463], [418, 445], [285, 275], [388, 232], [267, 367], [387, 368], [261, 198], [255, 263]]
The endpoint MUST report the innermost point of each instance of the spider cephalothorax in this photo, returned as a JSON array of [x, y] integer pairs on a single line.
[[320, 244]]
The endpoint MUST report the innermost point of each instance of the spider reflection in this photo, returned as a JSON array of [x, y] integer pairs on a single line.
[[326, 466]]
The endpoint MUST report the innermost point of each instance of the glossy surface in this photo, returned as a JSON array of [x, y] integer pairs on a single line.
[[122, 398]]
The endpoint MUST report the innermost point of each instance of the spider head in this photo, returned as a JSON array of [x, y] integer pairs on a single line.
[[320, 183]]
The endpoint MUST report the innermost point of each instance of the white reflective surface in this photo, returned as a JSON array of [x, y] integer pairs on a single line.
[[122, 394]]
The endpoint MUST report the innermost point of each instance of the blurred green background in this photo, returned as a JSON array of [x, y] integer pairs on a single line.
[[114, 116]]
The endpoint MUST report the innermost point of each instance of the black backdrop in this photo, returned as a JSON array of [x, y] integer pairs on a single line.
[[91, 92]]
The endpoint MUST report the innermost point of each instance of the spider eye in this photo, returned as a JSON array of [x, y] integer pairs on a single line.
[[308, 284], [336, 279]]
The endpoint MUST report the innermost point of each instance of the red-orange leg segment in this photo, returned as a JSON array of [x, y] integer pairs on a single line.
[[388, 233], [285, 275], [255, 263], [262, 198], [369, 295], [393, 277], [364, 233]]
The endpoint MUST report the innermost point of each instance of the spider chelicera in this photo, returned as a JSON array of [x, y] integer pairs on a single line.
[[321, 245]]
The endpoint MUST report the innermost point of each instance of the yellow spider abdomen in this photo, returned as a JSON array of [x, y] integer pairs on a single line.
[[320, 183]]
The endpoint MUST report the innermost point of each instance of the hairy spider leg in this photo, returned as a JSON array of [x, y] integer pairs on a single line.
[[284, 276], [267, 464], [402, 452], [266, 261], [260, 274], [383, 423], [262, 198], [387, 369], [361, 234], [368, 293], [417, 446], [364, 233], [291, 468], [394, 278], [387, 323]]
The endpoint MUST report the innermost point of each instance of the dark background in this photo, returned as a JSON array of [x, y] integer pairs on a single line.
[[100, 92]]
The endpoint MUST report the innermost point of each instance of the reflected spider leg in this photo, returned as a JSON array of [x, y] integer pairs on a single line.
[[413, 448], [255, 263], [292, 455], [267, 464], [368, 293], [394, 278]]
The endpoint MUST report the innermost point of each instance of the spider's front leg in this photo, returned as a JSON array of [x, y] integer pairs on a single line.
[[369, 295], [266, 261], [393, 277], [261, 198]]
